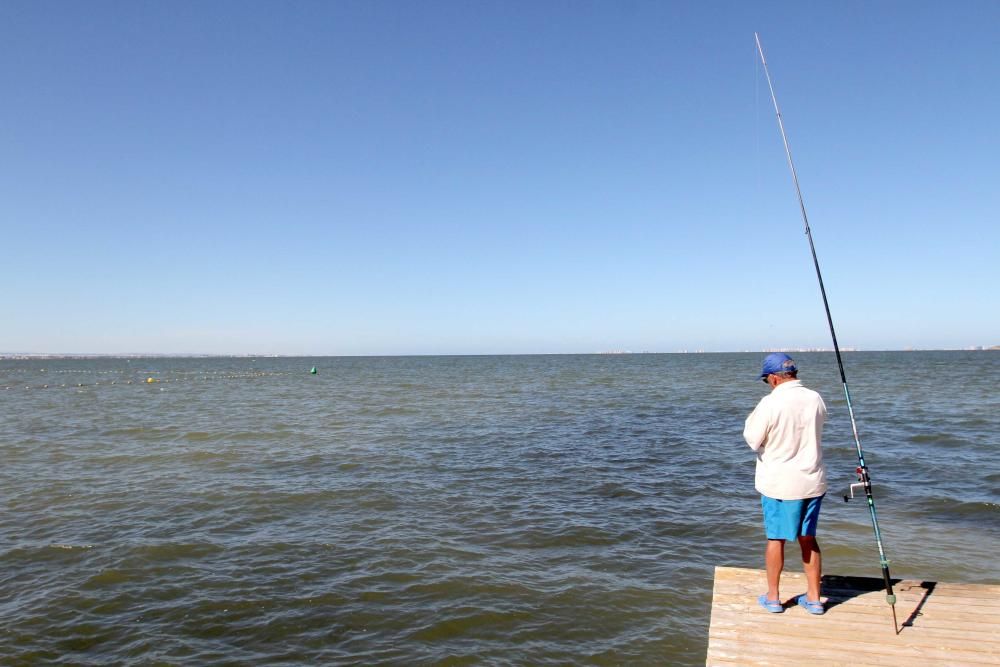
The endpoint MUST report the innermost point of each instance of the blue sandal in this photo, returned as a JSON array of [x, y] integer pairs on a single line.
[[773, 606], [813, 607]]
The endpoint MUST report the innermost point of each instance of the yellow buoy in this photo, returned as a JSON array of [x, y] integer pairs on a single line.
[[150, 380]]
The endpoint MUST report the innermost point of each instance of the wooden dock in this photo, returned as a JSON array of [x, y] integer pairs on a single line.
[[939, 623]]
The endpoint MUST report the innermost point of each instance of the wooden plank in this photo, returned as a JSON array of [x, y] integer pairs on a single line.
[[737, 651], [733, 620], [936, 615], [794, 633], [940, 623]]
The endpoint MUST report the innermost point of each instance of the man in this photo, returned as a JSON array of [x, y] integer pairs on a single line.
[[785, 430]]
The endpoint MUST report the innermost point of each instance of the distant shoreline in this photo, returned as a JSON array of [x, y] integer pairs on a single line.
[[28, 356]]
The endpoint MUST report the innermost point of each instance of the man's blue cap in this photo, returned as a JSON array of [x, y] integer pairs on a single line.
[[778, 362]]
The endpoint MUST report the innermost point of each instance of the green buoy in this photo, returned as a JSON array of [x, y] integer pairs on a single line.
[[313, 371]]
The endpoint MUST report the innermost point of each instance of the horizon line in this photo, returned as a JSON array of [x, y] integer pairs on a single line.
[[239, 355]]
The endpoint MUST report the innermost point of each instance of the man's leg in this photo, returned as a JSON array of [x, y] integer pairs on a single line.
[[812, 565], [774, 559]]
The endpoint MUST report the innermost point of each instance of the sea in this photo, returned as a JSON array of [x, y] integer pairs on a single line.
[[466, 510]]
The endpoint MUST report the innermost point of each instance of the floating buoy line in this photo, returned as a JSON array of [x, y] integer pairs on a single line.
[[121, 379]]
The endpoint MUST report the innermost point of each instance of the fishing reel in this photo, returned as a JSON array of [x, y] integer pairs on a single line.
[[863, 482]]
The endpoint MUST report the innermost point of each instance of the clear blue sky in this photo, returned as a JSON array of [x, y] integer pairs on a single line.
[[495, 177]]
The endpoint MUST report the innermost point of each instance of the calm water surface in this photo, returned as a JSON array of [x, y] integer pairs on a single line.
[[448, 510]]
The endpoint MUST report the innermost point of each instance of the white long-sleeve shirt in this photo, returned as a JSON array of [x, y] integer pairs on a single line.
[[786, 431]]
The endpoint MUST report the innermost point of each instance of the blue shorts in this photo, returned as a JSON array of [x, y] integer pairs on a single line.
[[790, 519]]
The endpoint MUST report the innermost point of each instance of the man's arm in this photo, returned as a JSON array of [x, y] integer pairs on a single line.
[[756, 427]]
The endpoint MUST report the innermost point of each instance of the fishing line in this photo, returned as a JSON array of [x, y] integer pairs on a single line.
[[756, 120], [864, 479]]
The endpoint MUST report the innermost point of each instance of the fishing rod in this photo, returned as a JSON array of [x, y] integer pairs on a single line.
[[864, 479]]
